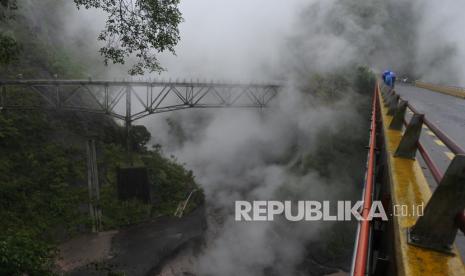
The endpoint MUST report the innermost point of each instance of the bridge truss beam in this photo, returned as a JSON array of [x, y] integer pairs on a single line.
[[131, 100]]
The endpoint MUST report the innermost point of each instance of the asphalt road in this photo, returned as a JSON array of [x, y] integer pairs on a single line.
[[446, 112]]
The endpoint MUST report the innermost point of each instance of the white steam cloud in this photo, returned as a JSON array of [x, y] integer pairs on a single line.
[[238, 155]]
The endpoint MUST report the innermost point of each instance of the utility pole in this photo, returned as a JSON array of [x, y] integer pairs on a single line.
[[3, 98], [127, 120], [93, 186]]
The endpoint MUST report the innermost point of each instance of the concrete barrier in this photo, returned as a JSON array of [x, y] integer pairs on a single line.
[[406, 185], [448, 90]]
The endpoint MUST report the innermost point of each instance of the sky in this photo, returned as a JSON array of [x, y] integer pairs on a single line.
[[231, 40], [247, 39]]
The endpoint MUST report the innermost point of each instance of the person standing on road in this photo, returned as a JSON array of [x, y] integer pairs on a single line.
[[383, 76], [389, 78]]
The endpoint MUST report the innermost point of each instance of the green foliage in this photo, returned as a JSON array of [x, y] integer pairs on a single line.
[[137, 27], [9, 49], [43, 177], [365, 80], [117, 213], [7, 130], [38, 178], [7, 7], [170, 182], [139, 136], [8, 4], [23, 254], [64, 64], [330, 87], [331, 152], [121, 213], [33, 56], [39, 198], [43, 191]]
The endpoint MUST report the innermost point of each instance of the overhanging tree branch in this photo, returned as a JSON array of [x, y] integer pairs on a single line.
[[139, 29]]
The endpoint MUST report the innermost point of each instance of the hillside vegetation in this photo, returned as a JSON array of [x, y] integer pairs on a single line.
[[43, 169]]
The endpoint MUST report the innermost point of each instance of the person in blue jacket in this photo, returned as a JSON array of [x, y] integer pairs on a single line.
[[383, 76], [389, 78]]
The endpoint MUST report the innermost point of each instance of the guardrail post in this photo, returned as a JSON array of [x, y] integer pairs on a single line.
[[398, 120], [408, 144], [393, 105], [391, 91], [384, 91], [389, 97], [437, 229]]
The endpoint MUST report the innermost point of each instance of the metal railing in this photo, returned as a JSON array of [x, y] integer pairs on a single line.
[[449, 142], [364, 230], [424, 233], [432, 166], [394, 102]]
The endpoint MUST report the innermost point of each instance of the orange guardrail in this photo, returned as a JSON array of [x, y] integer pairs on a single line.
[[363, 239]]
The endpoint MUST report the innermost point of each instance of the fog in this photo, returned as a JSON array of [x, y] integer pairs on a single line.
[[231, 40], [441, 44], [247, 155], [253, 154], [242, 40], [238, 155]]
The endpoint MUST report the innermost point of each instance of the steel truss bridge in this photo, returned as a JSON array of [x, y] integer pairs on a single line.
[[131, 100], [128, 101]]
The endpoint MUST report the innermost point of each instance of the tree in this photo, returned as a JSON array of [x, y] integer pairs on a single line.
[[140, 28], [139, 137], [9, 48], [6, 8]]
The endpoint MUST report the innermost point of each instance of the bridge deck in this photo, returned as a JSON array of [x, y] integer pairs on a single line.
[[448, 112]]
